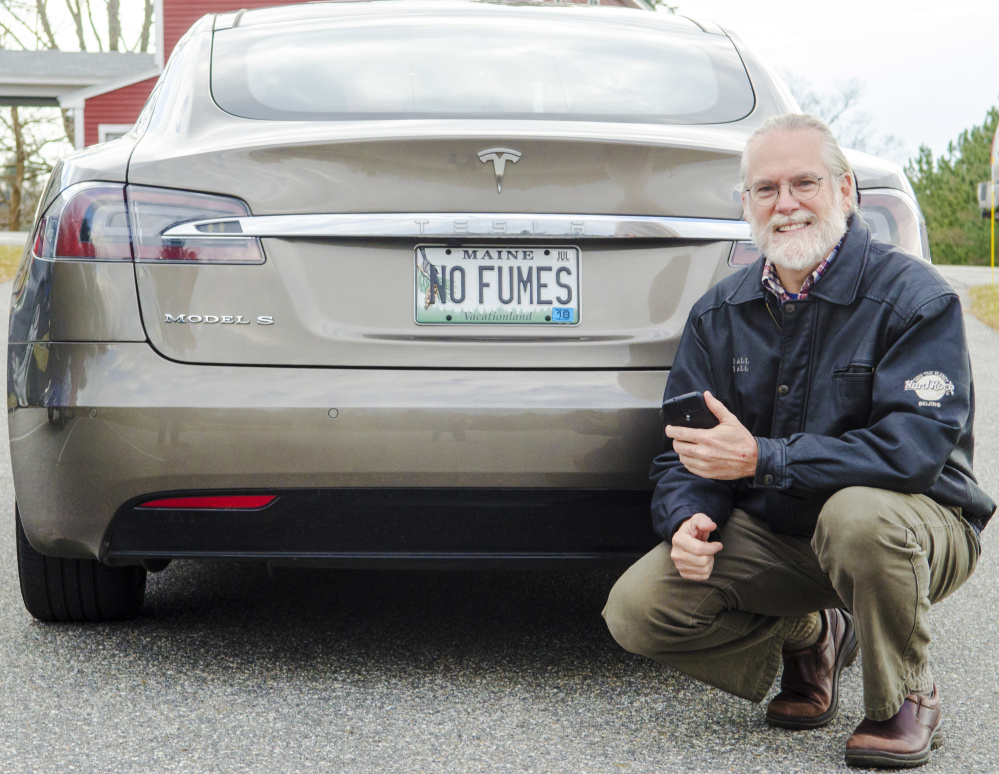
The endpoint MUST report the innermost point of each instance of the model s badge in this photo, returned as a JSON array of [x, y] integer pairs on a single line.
[[221, 319], [499, 157]]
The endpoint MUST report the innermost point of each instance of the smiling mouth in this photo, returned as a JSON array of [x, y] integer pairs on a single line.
[[788, 227]]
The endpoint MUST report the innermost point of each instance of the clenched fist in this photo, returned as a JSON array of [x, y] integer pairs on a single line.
[[692, 554]]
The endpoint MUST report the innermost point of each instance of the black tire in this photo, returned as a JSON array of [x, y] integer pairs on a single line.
[[76, 590]]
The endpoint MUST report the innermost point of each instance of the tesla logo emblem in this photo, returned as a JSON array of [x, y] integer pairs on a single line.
[[499, 157]]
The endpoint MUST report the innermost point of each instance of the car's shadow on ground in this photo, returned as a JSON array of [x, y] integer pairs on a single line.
[[354, 619]]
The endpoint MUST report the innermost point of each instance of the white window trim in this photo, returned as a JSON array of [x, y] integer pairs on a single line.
[[78, 126], [103, 130]]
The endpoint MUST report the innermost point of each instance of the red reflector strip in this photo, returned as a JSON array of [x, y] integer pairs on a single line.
[[215, 503]]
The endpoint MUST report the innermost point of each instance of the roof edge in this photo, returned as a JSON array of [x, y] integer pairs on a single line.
[[75, 99]]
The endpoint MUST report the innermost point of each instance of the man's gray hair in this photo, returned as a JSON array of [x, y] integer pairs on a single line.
[[832, 155]]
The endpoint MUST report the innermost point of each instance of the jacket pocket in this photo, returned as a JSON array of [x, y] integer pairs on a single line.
[[855, 380]]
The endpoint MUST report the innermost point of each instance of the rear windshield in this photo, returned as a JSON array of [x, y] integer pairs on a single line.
[[479, 69]]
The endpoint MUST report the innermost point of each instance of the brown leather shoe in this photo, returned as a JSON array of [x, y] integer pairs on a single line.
[[901, 742], [809, 687]]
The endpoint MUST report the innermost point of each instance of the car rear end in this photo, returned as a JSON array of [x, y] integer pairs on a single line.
[[382, 282]]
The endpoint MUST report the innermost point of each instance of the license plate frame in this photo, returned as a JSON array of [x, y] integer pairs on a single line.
[[472, 284]]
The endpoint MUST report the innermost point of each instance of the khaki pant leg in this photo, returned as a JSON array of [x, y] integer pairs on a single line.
[[726, 631], [889, 556]]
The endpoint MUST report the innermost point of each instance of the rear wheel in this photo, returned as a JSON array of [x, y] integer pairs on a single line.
[[76, 590]]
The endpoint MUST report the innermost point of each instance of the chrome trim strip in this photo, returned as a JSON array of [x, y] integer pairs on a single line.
[[497, 225]]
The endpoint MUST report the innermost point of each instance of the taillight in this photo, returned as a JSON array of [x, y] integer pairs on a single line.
[[87, 221], [156, 210], [894, 217], [39, 237], [743, 254], [108, 222]]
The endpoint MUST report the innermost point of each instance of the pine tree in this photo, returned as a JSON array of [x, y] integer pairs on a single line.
[[947, 192]]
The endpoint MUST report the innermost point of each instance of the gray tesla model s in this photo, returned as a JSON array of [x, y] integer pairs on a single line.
[[391, 283]]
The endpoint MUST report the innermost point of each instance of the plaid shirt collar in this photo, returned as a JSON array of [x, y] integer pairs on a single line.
[[771, 280]]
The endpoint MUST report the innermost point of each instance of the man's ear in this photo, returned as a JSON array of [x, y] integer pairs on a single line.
[[745, 206], [846, 190]]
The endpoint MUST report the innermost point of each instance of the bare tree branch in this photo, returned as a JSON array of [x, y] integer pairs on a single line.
[[114, 25], [17, 179], [147, 23], [31, 139], [76, 11], [43, 16], [17, 15], [69, 126], [840, 108], [8, 31], [93, 26], [831, 107]]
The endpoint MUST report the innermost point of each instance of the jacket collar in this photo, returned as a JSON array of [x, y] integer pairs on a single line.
[[840, 281]]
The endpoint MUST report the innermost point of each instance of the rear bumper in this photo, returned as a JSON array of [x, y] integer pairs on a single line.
[[94, 428], [361, 527]]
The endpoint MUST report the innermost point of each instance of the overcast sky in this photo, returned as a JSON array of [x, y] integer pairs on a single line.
[[929, 73]]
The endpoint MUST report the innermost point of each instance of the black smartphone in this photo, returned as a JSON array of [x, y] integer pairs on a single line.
[[688, 410]]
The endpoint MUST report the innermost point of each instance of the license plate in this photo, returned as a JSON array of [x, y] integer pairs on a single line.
[[497, 285]]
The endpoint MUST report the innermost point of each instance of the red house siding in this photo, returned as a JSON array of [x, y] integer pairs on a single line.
[[121, 106], [179, 15]]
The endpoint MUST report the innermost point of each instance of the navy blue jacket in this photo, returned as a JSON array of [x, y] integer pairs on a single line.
[[866, 382]]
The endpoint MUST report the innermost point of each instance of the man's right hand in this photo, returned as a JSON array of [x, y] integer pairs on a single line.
[[692, 554]]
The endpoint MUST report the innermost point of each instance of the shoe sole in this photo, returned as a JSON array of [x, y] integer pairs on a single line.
[[846, 657], [879, 759]]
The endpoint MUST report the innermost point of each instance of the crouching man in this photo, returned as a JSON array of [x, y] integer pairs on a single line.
[[834, 501]]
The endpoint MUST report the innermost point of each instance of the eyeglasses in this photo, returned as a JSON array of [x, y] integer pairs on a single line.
[[765, 192]]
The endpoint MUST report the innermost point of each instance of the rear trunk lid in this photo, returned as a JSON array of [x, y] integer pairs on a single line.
[[456, 252]]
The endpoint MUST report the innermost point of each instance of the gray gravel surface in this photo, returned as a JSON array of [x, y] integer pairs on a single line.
[[229, 670]]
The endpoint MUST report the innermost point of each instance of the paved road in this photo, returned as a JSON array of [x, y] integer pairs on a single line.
[[964, 277], [230, 671], [13, 237]]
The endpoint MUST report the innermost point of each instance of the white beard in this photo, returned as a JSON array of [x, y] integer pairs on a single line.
[[802, 249]]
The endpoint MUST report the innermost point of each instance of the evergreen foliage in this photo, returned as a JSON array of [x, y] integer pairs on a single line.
[[947, 192]]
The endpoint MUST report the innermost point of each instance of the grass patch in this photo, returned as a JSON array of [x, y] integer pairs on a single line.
[[10, 257], [985, 304]]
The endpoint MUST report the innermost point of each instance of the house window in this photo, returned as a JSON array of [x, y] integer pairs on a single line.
[[108, 132]]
